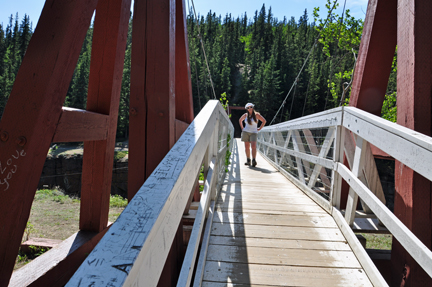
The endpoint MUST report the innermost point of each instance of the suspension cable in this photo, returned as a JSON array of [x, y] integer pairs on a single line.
[[348, 85], [305, 61], [202, 46]]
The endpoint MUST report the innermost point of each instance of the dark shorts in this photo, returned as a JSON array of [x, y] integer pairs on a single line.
[[248, 137]]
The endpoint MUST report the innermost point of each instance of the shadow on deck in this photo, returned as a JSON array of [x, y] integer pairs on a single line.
[[266, 231]]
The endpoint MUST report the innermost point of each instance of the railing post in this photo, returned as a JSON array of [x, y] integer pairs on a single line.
[[338, 156]]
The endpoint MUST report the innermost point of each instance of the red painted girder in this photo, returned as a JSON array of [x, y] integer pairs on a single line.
[[79, 125], [152, 101], [374, 61], [137, 102], [61, 267], [106, 70], [183, 85], [32, 113], [180, 128], [375, 57], [414, 86]]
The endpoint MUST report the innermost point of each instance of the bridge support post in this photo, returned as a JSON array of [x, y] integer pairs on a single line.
[[106, 70], [375, 57], [413, 192], [160, 98], [32, 115]]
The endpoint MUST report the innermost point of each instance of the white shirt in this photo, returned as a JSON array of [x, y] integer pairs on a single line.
[[251, 128]]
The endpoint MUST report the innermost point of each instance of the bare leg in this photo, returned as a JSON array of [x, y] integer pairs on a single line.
[[247, 148], [253, 144]]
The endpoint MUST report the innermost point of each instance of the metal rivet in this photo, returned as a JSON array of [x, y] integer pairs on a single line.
[[21, 141], [4, 136]]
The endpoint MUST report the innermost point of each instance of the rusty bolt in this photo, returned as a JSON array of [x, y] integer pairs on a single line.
[[4, 136], [133, 112], [21, 141]]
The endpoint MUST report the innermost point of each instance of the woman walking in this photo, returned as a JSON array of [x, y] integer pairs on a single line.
[[250, 131]]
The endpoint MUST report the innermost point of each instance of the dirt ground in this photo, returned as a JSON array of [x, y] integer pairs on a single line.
[[55, 216]]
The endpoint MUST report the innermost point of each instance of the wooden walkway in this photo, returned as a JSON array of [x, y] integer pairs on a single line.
[[266, 232]]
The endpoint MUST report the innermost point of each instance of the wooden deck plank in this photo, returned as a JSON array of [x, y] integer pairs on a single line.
[[280, 256], [268, 198], [279, 243], [235, 190], [275, 219], [292, 212], [259, 274], [266, 232], [281, 232], [245, 205]]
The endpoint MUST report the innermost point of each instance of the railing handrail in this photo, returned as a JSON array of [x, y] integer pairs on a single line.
[[409, 147], [134, 250]]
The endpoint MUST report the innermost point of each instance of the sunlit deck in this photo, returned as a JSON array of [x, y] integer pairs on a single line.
[[266, 232]]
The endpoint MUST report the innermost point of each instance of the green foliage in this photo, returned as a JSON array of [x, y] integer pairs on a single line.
[[201, 178], [343, 30], [389, 109], [378, 241], [118, 155], [54, 195], [37, 251], [13, 44], [118, 201], [28, 230], [251, 59], [340, 37], [224, 101], [228, 153]]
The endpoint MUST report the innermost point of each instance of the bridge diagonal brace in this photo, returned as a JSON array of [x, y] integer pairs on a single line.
[[296, 139], [280, 142], [318, 170], [369, 173], [358, 163]]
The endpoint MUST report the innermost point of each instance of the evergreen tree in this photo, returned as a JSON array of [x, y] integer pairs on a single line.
[[253, 59]]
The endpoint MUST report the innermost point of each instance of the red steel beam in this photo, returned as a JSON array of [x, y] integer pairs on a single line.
[[414, 85], [152, 101], [183, 84], [79, 125], [64, 260], [373, 66], [137, 101], [371, 75], [375, 58], [106, 70], [160, 81], [32, 113]]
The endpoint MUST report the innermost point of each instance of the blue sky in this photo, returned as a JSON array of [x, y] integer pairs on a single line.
[[280, 8]]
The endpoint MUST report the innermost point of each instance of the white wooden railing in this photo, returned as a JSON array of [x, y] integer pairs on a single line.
[[310, 151], [134, 250]]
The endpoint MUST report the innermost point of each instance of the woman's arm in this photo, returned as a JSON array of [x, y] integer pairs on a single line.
[[263, 121], [241, 121]]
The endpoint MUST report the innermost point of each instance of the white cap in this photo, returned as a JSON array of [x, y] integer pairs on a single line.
[[249, 105]]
